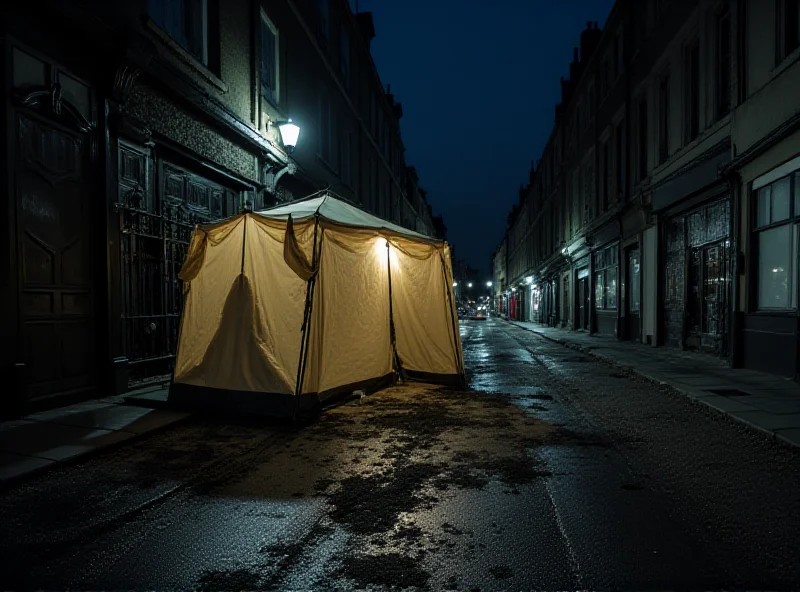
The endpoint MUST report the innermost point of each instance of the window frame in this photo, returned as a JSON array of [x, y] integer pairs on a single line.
[[793, 222], [724, 62], [783, 47], [276, 92], [691, 84], [663, 116], [606, 261], [204, 26], [642, 152]]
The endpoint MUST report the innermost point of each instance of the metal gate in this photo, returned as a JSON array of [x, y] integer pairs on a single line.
[[157, 214]]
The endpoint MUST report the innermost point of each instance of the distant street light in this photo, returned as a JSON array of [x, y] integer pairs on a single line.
[[488, 284], [469, 285], [455, 284]]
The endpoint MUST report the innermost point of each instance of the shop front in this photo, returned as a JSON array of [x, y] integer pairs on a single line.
[[582, 296], [697, 278], [771, 325], [606, 279]]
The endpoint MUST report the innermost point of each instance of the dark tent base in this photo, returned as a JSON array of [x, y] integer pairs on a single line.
[[454, 380], [250, 404]]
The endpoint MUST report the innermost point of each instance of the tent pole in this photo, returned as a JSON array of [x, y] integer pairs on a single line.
[[398, 366], [304, 330], [459, 367], [244, 242]]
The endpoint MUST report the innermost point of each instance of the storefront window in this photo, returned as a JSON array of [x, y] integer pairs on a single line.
[[611, 288], [605, 278], [599, 289], [776, 250], [777, 243]]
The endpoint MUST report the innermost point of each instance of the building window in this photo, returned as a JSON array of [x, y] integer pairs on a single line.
[[324, 18], [723, 63], [269, 60], [663, 118], [606, 171], [619, 161], [691, 77], [788, 28], [605, 278], [777, 221], [186, 21], [344, 56], [324, 125], [642, 138]]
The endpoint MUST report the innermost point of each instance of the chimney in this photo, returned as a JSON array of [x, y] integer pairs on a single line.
[[574, 70], [590, 38]]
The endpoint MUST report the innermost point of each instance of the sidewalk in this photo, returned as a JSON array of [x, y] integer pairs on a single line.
[[763, 401], [58, 436]]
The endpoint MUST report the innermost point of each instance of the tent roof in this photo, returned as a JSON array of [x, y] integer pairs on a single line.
[[338, 212]]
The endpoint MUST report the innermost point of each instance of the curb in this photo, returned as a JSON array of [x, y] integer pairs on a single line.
[[11, 482], [686, 394]]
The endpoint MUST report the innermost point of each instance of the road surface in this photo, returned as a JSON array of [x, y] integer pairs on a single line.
[[554, 471]]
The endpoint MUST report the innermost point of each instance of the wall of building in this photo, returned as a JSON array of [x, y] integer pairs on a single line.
[[156, 133]]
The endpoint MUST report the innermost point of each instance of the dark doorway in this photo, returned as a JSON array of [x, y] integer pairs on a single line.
[[707, 297], [633, 294], [55, 253], [583, 301]]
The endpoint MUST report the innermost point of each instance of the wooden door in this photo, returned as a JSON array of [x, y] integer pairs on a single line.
[[56, 276]]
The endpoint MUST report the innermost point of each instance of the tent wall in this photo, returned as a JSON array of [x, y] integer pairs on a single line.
[[350, 325], [423, 319], [241, 331], [246, 289]]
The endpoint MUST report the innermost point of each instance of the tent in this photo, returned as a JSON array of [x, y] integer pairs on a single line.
[[290, 308]]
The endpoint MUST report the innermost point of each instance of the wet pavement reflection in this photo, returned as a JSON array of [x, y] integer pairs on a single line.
[[553, 471]]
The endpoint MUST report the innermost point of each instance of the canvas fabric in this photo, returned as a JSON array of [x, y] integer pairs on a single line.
[[246, 282]]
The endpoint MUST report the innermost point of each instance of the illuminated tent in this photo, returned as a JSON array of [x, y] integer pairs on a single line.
[[291, 307]]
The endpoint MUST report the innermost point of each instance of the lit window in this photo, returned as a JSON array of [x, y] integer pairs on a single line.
[[776, 240]]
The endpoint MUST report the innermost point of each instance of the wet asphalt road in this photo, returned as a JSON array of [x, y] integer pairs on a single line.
[[556, 471]]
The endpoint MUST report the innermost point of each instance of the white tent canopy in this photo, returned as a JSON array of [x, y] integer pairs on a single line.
[[288, 307], [338, 212]]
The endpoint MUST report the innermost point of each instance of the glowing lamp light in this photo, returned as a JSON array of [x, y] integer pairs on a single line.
[[289, 134], [380, 248], [529, 279], [455, 284], [488, 284], [469, 285]]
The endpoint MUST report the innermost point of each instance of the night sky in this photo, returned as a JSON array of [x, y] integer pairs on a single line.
[[479, 81]]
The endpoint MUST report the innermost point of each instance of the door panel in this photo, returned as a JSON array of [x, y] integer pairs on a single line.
[[632, 299], [56, 275]]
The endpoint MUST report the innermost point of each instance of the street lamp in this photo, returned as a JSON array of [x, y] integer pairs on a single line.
[[455, 284], [289, 134], [488, 284], [469, 285]]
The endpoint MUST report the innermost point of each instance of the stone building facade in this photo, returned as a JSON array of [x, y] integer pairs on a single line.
[[652, 210], [126, 124]]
